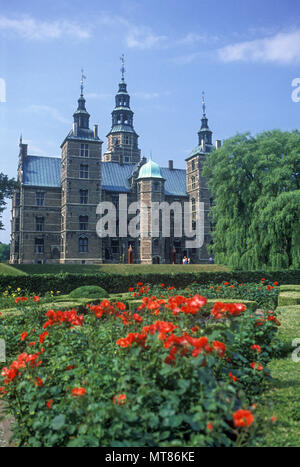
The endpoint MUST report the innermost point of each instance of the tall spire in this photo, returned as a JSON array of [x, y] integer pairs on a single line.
[[203, 105], [81, 116], [81, 82], [204, 133], [122, 67]]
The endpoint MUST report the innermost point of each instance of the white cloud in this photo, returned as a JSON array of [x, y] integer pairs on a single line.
[[186, 59], [146, 95], [141, 37], [98, 95], [31, 28], [192, 38], [282, 48], [47, 110]]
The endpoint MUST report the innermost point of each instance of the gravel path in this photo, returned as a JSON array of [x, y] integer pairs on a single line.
[[5, 432]]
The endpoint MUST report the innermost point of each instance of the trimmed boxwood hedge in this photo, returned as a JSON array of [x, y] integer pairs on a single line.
[[289, 298], [113, 283]]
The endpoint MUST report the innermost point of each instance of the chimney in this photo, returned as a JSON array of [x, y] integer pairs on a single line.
[[171, 165], [95, 131], [218, 143], [202, 145], [75, 128]]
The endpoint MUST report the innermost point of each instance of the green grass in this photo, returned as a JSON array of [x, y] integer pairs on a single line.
[[125, 269], [7, 270], [282, 399]]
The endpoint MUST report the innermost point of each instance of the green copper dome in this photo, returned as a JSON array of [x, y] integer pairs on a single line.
[[150, 170]]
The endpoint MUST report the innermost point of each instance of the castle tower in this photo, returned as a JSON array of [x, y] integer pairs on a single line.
[[197, 186], [81, 189], [150, 184], [122, 140]]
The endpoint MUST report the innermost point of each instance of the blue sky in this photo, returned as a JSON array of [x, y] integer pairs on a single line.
[[243, 53]]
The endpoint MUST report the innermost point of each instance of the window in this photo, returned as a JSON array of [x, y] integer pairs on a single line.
[[17, 223], [83, 245], [193, 165], [83, 222], [83, 196], [156, 186], [193, 204], [126, 159], [17, 199], [193, 183], [126, 139], [40, 198], [84, 150], [39, 245], [115, 246], [84, 171], [39, 224]]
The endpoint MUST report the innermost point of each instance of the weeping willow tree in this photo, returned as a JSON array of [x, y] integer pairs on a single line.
[[255, 183]]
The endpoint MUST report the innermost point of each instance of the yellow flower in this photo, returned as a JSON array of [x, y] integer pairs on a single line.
[[18, 289]]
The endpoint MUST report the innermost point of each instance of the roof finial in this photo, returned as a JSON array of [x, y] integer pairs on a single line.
[[21, 138], [122, 67], [203, 104], [81, 82]]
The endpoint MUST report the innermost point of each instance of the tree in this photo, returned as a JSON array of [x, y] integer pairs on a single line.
[[4, 252], [7, 185], [255, 183]]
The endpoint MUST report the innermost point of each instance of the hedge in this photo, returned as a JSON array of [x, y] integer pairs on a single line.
[[289, 298], [66, 282]]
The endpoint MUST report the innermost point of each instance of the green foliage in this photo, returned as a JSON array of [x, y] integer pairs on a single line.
[[165, 405], [255, 183], [7, 185], [289, 298], [114, 283], [91, 291], [4, 252]]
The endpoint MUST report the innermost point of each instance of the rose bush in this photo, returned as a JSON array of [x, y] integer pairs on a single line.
[[159, 376]]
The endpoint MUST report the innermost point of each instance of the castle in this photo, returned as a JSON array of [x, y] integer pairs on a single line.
[[54, 207]]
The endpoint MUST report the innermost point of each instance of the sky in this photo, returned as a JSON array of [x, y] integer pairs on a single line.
[[244, 54]]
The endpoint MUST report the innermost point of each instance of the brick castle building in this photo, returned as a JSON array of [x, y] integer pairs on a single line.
[[54, 207]]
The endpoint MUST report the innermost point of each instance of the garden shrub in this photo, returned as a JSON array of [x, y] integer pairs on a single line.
[[116, 283], [90, 291], [289, 298], [157, 377]]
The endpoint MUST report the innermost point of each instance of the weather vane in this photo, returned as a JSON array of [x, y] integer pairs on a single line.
[[122, 67], [203, 104], [81, 81]]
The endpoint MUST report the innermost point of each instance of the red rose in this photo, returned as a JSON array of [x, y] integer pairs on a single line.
[[78, 391]]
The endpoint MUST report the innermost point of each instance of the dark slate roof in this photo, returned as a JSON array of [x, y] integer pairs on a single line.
[[82, 133], [122, 127], [42, 171], [175, 183], [115, 178], [46, 171]]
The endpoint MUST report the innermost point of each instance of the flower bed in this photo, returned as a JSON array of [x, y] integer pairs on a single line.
[[162, 375]]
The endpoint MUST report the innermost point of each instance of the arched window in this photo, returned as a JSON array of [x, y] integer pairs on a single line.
[[83, 244]]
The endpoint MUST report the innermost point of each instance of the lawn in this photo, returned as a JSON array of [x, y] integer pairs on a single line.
[[282, 399], [7, 270], [125, 269]]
